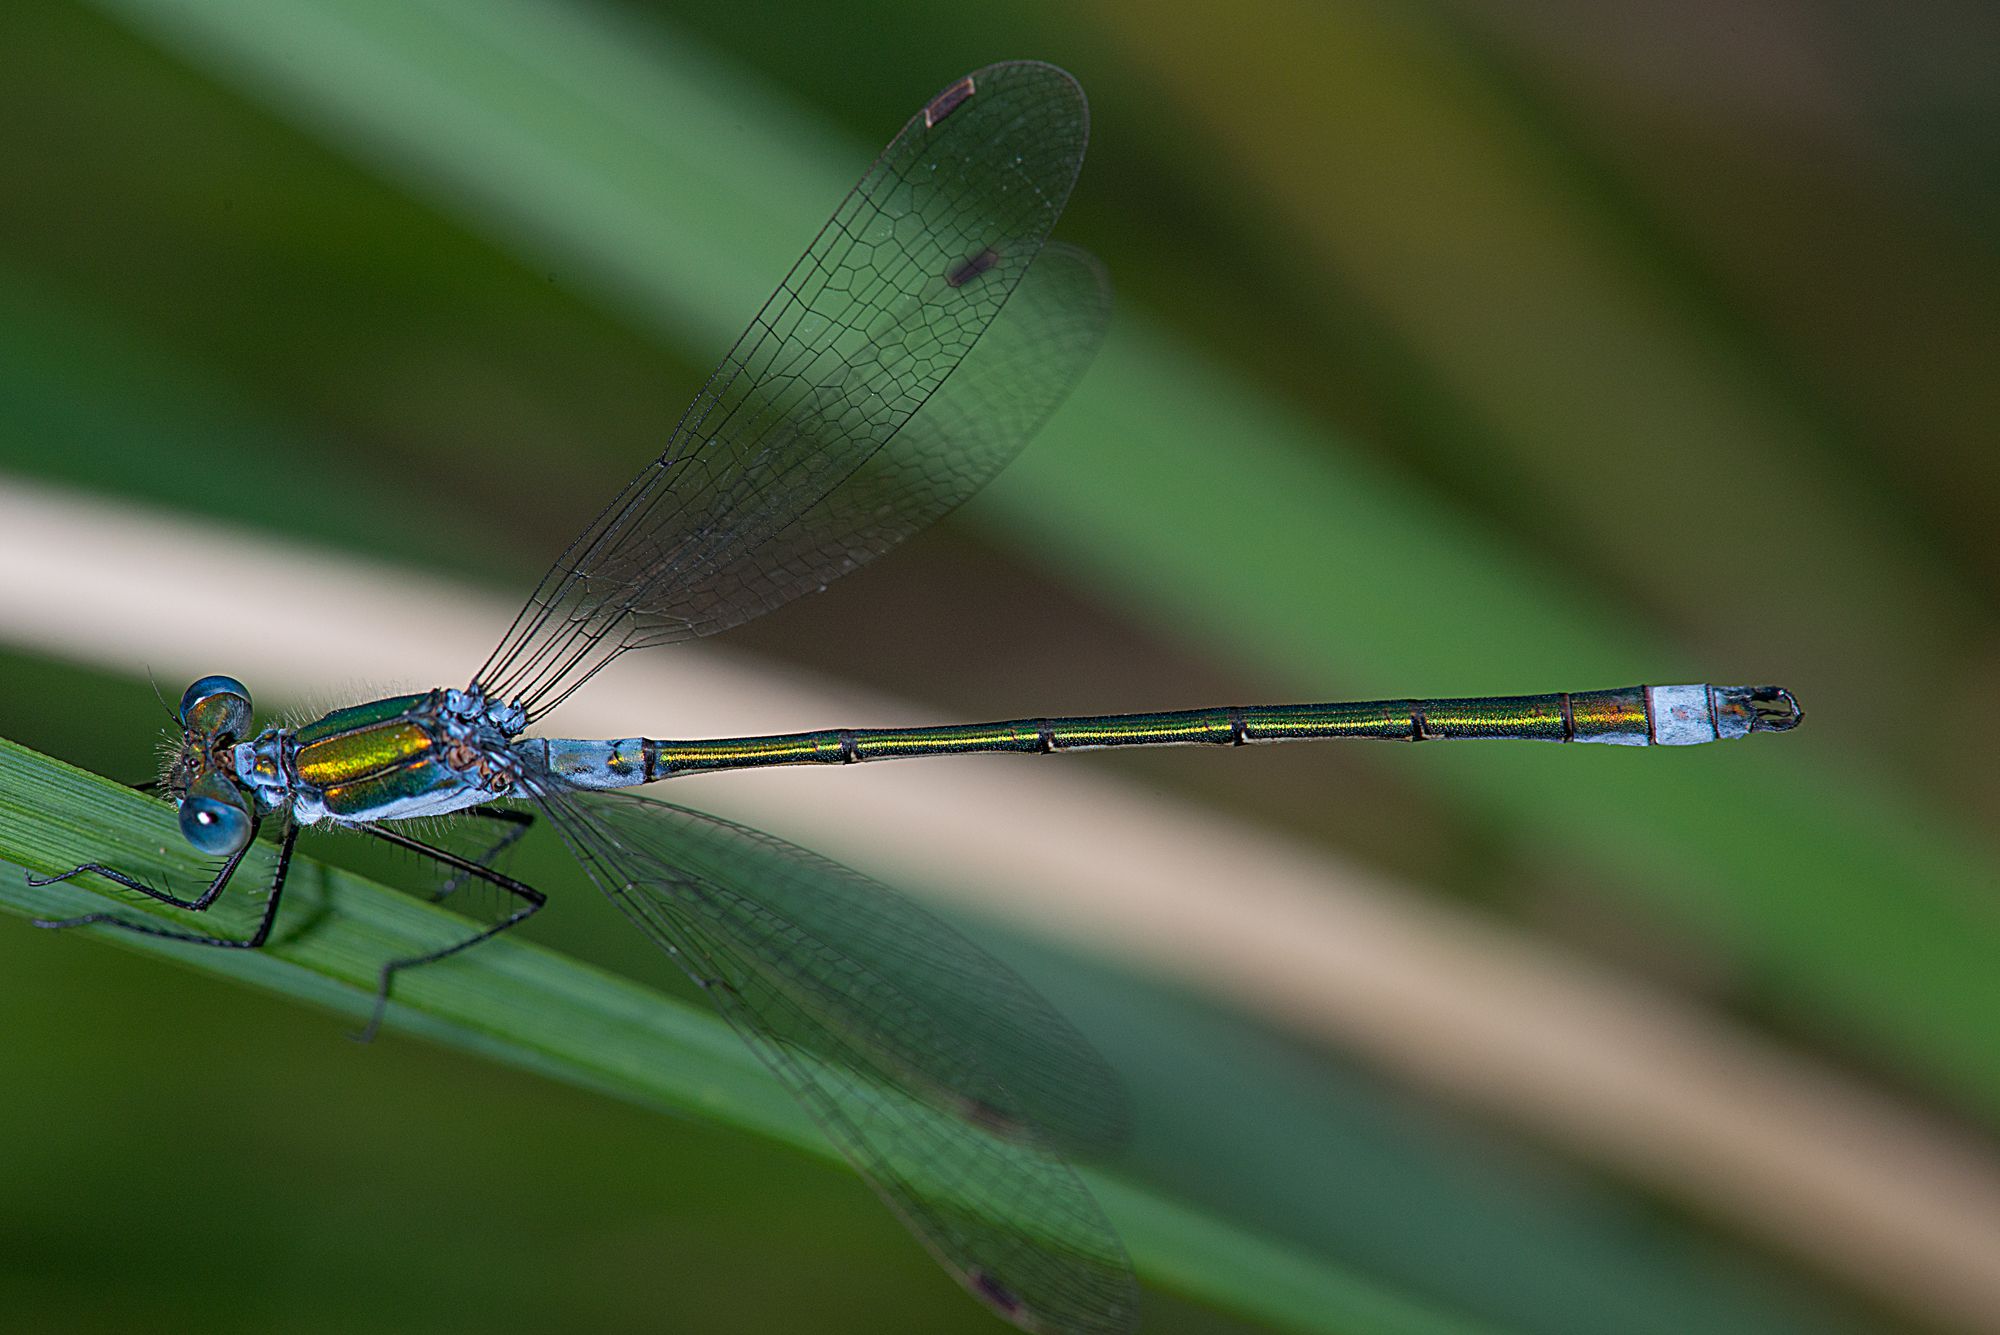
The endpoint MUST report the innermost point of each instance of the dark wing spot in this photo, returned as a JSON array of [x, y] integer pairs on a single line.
[[991, 1120], [995, 1294], [966, 270], [948, 101]]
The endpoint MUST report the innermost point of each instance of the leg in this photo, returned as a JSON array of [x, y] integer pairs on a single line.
[[531, 903], [516, 820], [198, 904]]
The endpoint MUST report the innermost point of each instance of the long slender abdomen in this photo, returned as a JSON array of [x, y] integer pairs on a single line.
[[1630, 716]]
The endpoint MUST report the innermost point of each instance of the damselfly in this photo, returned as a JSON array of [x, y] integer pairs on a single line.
[[924, 337]]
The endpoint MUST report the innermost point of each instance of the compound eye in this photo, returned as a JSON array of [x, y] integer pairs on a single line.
[[216, 707], [214, 818]]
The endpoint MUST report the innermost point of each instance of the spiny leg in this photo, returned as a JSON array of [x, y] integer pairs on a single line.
[[531, 904], [198, 904], [518, 822]]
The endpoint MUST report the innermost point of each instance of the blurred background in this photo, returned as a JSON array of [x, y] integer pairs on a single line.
[[1461, 348]]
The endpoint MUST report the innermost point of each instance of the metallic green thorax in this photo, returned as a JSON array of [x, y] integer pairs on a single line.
[[381, 756]]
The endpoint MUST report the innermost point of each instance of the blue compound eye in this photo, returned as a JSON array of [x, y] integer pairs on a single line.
[[217, 706], [214, 818]]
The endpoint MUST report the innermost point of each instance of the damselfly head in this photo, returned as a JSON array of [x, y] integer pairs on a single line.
[[214, 716]]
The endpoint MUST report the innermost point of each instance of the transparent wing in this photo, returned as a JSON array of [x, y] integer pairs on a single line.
[[843, 421], [945, 1080]]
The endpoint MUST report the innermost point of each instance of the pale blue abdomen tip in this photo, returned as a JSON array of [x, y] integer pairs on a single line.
[[1686, 715]]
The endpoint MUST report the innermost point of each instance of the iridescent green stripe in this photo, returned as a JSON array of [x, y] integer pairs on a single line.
[[1618, 715], [356, 718], [360, 753]]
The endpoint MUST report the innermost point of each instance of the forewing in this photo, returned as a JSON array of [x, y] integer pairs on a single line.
[[843, 421], [902, 1039]]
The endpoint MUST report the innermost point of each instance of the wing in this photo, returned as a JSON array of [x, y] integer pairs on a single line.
[[843, 421], [943, 1078]]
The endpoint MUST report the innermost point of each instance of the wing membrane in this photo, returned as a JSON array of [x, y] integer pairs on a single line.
[[843, 420], [940, 1075]]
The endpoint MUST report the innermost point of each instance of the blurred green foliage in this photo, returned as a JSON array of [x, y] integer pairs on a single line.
[[1461, 350]]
